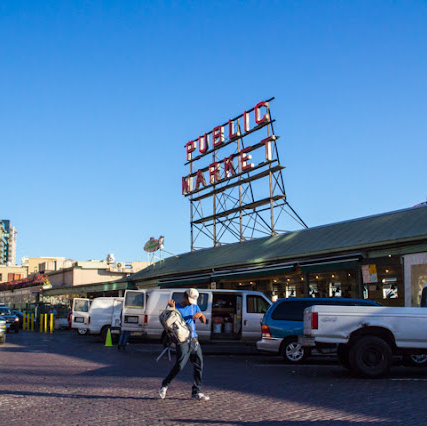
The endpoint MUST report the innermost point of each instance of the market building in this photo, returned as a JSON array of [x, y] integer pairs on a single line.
[[381, 257]]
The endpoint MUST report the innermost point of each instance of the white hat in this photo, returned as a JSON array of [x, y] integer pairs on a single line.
[[192, 294]]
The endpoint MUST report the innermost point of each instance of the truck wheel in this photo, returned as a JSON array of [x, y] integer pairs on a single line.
[[343, 355], [419, 361], [16, 330], [2, 338], [292, 352], [82, 331], [370, 357]]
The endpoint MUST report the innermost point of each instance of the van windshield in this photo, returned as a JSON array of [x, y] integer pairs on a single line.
[[5, 311], [134, 299]]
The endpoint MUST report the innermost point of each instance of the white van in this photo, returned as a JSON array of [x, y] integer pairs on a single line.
[[230, 314], [103, 313], [80, 315]]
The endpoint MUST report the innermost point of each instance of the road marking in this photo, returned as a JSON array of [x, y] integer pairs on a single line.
[[293, 366], [410, 380]]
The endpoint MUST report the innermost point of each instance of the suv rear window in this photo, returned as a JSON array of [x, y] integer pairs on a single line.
[[293, 310]]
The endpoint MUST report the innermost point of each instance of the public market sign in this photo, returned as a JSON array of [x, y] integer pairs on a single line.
[[231, 166]]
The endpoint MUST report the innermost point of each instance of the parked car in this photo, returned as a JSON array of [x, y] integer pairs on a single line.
[[3, 330], [283, 323], [103, 314], [367, 338], [20, 315], [12, 321]]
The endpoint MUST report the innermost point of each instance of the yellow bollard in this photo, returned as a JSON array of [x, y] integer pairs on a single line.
[[28, 322], [41, 323], [32, 322], [51, 323], [45, 323], [24, 321]]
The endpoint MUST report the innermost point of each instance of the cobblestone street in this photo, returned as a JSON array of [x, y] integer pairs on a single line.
[[64, 379]]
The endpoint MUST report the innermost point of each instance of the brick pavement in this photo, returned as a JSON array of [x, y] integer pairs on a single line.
[[65, 379]]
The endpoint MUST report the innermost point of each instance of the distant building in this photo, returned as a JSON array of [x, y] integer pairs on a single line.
[[57, 280], [7, 243]]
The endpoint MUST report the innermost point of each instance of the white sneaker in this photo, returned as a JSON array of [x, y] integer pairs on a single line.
[[200, 396], [162, 391]]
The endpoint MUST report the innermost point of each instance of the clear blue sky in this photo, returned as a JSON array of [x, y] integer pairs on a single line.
[[99, 97]]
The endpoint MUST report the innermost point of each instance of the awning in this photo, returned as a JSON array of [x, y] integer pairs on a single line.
[[331, 265], [252, 272], [185, 282], [89, 288]]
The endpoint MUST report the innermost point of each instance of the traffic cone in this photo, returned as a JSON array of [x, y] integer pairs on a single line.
[[108, 340]]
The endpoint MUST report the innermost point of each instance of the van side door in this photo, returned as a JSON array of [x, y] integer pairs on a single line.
[[254, 308], [134, 311], [116, 317], [80, 314]]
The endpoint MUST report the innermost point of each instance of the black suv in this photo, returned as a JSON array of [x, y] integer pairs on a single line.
[[12, 321]]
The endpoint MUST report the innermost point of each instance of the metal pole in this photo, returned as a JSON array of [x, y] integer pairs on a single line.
[[191, 210], [214, 201], [240, 186]]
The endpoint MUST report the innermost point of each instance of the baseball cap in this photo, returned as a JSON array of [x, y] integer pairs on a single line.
[[192, 294]]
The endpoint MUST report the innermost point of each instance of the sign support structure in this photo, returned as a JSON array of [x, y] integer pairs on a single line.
[[241, 194]]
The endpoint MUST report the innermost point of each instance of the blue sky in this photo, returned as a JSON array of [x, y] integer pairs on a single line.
[[98, 99]]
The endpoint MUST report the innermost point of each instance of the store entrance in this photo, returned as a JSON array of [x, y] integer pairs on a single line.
[[226, 316]]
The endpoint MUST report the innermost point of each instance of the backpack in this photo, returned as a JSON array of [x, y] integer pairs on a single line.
[[175, 326]]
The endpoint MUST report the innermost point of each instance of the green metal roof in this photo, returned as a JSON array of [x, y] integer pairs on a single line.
[[403, 226]]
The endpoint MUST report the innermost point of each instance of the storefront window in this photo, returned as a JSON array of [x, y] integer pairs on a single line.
[[383, 280], [334, 284]]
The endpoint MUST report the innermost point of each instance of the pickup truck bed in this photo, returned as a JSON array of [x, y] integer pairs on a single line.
[[367, 337]]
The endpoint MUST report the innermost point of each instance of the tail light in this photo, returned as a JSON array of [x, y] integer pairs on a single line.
[[145, 319], [265, 331], [88, 320], [314, 320]]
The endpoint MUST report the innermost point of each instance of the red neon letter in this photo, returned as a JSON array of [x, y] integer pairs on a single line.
[[246, 121], [217, 136], [244, 158], [187, 184], [231, 133], [200, 179], [190, 146], [228, 167], [267, 144], [214, 175], [257, 110], [205, 146]]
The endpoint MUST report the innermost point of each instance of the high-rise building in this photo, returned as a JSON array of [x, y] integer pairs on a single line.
[[7, 243]]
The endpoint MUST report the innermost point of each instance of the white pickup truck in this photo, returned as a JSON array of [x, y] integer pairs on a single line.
[[368, 337]]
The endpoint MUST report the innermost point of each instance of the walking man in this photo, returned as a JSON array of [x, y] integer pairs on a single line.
[[190, 311]]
